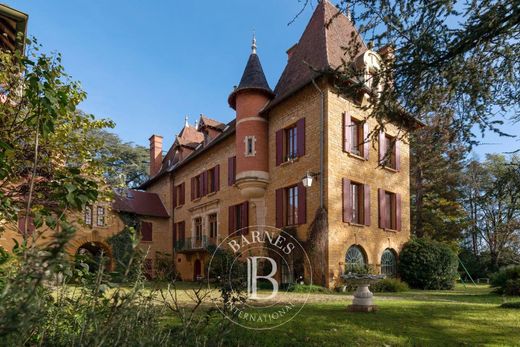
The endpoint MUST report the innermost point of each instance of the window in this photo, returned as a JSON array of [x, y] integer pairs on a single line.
[[389, 155], [100, 216], [250, 146], [290, 142], [212, 222], [238, 217], [291, 205], [213, 175], [178, 195], [197, 187], [356, 130], [198, 228], [356, 202], [146, 231], [88, 215], [389, 263], [179, 235], [389, 210], [355, 260]]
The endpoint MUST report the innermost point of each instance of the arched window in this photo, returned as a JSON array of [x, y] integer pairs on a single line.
[[389, 263], [355, 259]]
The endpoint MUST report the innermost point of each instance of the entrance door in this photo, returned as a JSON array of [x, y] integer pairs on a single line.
[[197, 271]]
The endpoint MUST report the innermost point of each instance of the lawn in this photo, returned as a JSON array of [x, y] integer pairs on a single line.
[[462, 317]]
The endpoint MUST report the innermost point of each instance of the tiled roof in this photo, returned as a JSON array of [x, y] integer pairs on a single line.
[[189, 136], [212, 123], [252, 78], [140, 203], [321, 47]]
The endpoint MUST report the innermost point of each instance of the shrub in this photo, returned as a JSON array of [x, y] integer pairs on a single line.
[[390, 285], [515, 304], [427, 264], [507, 280], [307, 288]]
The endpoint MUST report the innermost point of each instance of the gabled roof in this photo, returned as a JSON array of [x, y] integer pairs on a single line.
[[140, 203], [252, 78], [206, 121], [320, 48], [190, 137]]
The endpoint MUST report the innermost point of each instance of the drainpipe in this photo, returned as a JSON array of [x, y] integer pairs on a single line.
[[322, 159]]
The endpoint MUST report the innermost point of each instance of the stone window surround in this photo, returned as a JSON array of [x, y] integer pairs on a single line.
[[253, 146], [205, 222]]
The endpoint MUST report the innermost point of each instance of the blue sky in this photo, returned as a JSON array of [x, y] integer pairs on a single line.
[[148, 64]]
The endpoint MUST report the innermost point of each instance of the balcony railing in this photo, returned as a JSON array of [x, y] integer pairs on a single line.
[[195, 243]]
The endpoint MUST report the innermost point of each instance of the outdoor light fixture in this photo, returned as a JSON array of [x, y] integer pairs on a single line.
[[307, 179]]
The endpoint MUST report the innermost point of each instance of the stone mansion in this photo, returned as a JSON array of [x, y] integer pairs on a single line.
[[217, 178]]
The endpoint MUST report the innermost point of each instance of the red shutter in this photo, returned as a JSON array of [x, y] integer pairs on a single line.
[[300, 129], [244, 223], [232, 169], [217, 178], [175, 191], [174, 234], [366, 203], [204, 183], [382, 208], [347, 132], [382, 147], [193, 195], [279, 208], [231, 220], [302, 204], [347, 201], [366, 141], [398, 212], [279, 147], [182, 194], [397, 155], [146, 231]]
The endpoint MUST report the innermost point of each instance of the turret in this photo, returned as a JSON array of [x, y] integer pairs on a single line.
[[248, 99]]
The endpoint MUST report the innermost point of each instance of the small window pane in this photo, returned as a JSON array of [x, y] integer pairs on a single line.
[[388, 263], [355, 260]]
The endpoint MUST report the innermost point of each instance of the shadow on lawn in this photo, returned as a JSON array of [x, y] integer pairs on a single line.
[[397, 323]]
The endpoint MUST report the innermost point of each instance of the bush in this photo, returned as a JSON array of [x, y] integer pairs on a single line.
[[507, 280], [515, 304], [307, 288], [427, 264], [390, 285]]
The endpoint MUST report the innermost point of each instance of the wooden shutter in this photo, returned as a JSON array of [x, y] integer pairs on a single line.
[[175, 191], [366, 141], [193, 188], [216, 178], [204, 183], [231, 220], [382, 208], [300, 137], [182, 194], [146, 231], [382, 147], [347, 133], [244, 223], [397, 150], [232, 168], [366, 204], [347, 201], [302, 204], [279, 147], [279, 208], [398, 213]]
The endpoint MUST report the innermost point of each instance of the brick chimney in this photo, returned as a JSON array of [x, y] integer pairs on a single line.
[[155, 154]]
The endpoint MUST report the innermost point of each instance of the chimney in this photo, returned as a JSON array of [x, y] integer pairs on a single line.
[[155, 154], [290, 51]]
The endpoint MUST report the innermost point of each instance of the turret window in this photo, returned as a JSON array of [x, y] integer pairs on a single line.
[[249, 142]]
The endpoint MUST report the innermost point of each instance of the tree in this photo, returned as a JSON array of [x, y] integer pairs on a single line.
[[124, 163], [493, 199]]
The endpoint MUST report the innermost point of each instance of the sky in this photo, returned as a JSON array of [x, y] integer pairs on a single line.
[[148, 64]]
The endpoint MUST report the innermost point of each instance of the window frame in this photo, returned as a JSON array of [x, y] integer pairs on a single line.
[[88, 214], [290, 149], [291, 205], [250, 146], [358, 202], [102, 215], [213, 225], [357, 140], [198, 228], [391, 210]]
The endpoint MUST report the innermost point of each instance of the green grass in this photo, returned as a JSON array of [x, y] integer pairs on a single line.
[[462, 317]]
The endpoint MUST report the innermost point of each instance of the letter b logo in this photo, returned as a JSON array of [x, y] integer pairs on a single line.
[[252, 277]]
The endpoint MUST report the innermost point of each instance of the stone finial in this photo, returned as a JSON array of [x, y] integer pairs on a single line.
[[186, 123], [253, 45]]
